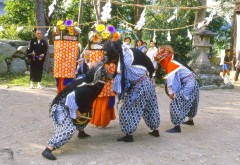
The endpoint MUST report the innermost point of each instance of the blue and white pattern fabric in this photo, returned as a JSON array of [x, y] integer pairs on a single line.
[[133, 72], [141, 101], [64, 127], [186, 89], [174, 81]]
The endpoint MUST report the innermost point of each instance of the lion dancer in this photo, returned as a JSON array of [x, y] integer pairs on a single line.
[[135, 71], [182, 87], [65, 57], [71, 104]]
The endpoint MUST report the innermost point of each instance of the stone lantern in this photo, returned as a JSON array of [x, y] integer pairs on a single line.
[[202, 43], [208, 74]]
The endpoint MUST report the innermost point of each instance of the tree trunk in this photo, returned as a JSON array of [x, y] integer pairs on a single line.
[[40, 17], [137, 14], [233, 41], [80, 13], [98, 5], [96, 8], [199, 17], [200, 14]]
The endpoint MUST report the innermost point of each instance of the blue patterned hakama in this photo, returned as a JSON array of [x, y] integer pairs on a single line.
[[64, 127], [186, 90], [141, 99]]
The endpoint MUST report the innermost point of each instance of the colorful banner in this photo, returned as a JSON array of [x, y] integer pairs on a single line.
[[96, 56], [65, 57]]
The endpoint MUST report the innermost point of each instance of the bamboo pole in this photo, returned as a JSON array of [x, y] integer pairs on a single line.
[[80, 13]]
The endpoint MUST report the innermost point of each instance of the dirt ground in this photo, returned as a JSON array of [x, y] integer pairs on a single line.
[[215, 139]]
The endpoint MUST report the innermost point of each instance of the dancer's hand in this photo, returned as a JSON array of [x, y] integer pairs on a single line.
[[171, 96], [78, 114]]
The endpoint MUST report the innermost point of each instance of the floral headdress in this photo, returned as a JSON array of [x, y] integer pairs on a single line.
[[68, 27], [103, 33]]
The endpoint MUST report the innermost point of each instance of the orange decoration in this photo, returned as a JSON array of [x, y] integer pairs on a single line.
[[71, 30], [65, 57], [96, 38], [107, 89], [96, 56], [116, 36]]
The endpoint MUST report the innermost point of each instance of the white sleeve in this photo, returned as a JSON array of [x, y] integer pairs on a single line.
[[170, 83]]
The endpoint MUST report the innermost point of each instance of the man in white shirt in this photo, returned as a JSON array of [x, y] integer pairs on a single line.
[[151, 53]]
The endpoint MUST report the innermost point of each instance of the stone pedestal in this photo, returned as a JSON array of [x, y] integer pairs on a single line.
[[208, 74]]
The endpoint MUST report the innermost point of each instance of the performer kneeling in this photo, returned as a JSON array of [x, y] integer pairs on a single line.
[[182, 88], [141, 99], [71, 103]]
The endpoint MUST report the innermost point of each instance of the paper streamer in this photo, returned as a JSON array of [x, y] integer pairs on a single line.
[[46, 35], [19, 29], [168, 36], [106, 12], [174, 16], [1, 28], [154, 36], [51, 8], [141, 21], [189, 35]]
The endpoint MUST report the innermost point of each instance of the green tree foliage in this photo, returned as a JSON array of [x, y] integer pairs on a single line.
[[21, 13], [223, 31]]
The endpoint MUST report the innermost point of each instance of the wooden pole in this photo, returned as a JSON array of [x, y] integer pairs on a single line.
[[235, 26], [80, 13], [137, 14], [96, 8]]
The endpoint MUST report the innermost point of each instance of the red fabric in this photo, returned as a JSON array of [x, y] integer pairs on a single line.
[[168, 64], [61, 85], [102, 113]]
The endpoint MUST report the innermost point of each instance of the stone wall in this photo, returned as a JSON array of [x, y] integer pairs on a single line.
[[13, 57]]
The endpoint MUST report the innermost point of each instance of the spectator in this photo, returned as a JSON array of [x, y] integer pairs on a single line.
[[127, 42], [141, 47], [226, 65], [151, 53], [37, 53]]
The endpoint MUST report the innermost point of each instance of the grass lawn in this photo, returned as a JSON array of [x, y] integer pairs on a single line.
[[23, 80]]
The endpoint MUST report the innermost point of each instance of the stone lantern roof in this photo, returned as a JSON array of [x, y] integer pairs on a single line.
[[205, 33]]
